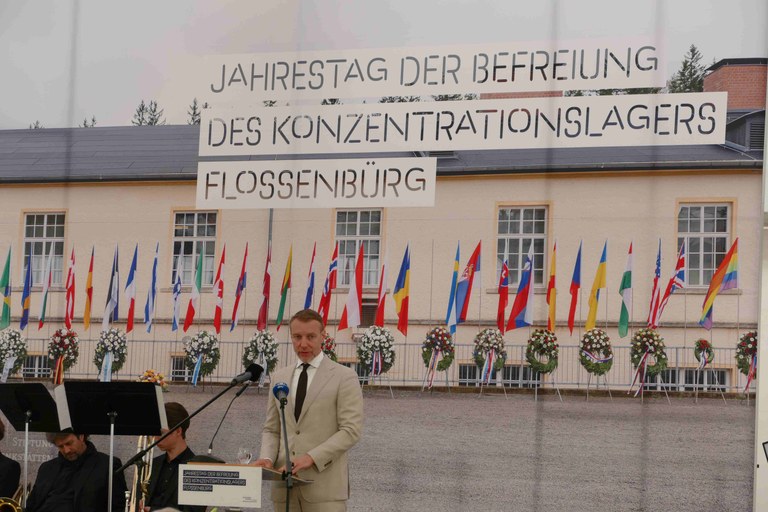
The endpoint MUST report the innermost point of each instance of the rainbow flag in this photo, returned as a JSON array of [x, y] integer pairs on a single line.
[[725, 278]]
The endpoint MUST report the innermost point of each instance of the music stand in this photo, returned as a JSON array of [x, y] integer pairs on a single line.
[[29, 407], [111, 408]]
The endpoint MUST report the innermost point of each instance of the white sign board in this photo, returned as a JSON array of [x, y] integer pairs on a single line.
[[220, 485], [332, 183]]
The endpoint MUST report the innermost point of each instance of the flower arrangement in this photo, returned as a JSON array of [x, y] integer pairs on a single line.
[[112, 340], [203, 344], [12, 344], [648, 341], [438, 339], [64, 342], [704, 347], [329, 347], [485, 341], [261, 349], [745, 350], [376, 339], [595, 352], [155, 378], [542, 351]]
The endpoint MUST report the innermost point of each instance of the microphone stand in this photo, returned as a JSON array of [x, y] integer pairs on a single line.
[[242, 390], [288, 473]]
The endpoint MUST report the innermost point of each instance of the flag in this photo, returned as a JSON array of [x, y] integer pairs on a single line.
[[725, 278], [522, 309], [130, 291], [654, 306], [284, 288], [111, 308], [464, 285], [88, 293], [261, 323], [69, 306], [501, 312], [149, 307], [379, 319], [625, 290], [218, 287], [450, 316], [574, 290], [47, 281], [5, 285], [176, 301], [311, 278], [402, 293], [25, 294], [241, 282], [594, 294], [353, 310], [552, 292], [329, 286], [194, 301], [676, 282]]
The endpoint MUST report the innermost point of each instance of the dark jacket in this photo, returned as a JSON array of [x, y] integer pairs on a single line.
[[90, 483], [10, 473], [171, 497]]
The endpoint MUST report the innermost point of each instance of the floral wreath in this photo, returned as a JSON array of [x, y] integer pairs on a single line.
[[644, 341], [376, 339], [745, 350], [64, 342], [329, 347], [542, 344], [261, 348], [112, 340], [595, 352], [438, 339], [703, 346], [485, 341], [12, 344], [203, 344], [155, 378]]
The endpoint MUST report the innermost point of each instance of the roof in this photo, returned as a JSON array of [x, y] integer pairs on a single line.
[[739, 61], [154, 153]]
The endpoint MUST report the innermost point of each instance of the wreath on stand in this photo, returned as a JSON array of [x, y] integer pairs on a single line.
[[542, 351], [595, 352], [112, 340], [12, 344], [486, 341], [745, 351], [64, 342], [648, 341], [439, 340], [203, 345], [329, 347], [376, 339], [261, 349], [703, 348], [154, 377]]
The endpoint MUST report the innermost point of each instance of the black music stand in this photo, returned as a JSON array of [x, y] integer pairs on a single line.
[[31, 408], [111, 408]]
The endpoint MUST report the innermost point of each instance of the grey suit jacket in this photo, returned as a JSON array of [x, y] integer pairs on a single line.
[[331, 423]]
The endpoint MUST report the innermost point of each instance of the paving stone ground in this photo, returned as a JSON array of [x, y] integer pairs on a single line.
[[461, 452]]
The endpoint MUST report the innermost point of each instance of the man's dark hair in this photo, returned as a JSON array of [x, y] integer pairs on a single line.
[[52, 437], [306, 315], [175, 412]]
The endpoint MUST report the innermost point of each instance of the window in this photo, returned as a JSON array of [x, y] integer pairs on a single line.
[[708, 380], [518, 228], [705, 231], [355, 227], [667, 379], [40, 231], [520, 376], [179, 371], [194, 235], [36, 366]]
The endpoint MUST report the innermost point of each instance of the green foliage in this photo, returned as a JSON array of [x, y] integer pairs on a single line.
[[193, 113], [690, 76]]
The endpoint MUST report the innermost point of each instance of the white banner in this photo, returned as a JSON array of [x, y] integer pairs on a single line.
[[553, 122], [350, 183], [487, 68], [222, 485]]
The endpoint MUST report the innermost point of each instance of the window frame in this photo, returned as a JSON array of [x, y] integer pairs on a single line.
[[540, 259], [371, 261], [205, 244], [39, 260], [703, 272]]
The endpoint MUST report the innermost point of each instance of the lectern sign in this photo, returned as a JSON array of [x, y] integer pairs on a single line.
[[220, 485]]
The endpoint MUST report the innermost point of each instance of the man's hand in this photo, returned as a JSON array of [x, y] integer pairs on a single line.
[[262, 463], [302, 462]]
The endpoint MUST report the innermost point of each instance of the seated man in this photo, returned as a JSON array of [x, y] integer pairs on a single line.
[[163, 484], [77, 480], [10, 471]]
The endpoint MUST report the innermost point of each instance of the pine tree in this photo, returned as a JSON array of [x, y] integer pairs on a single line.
[[690, 76], [36, 126], [88, 124], [140, 116], [194, 113], [154, 114]]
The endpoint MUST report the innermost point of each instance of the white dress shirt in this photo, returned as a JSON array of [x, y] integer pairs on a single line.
[[314, 364]]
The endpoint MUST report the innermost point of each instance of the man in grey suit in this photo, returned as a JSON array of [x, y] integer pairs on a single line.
[[324, 417]]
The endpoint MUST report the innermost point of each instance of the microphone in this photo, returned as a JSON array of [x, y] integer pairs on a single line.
[[280, 390], [252, 373]]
